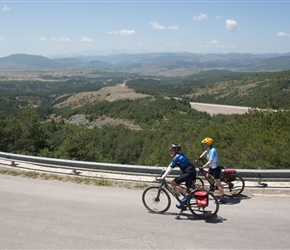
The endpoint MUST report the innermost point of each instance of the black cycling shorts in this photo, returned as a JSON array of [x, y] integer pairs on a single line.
[[185, 177], [216, 172]]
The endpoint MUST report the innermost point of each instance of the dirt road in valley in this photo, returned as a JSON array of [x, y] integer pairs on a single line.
[[214, 109]]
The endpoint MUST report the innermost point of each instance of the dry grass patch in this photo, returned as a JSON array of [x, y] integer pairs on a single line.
[[110, 94]]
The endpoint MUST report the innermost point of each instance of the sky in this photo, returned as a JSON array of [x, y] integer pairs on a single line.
[[69, 28]]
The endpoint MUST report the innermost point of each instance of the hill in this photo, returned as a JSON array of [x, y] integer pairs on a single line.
[[158, 64], [263, 90], [110, 94]]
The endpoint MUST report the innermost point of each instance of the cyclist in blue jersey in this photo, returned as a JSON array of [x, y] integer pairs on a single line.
[[213, 164], [188, 172]]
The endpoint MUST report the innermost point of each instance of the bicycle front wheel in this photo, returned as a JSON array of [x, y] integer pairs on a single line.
[[156, 200], [205, 211], [233, 187]]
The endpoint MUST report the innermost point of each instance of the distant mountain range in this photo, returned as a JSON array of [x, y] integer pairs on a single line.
[[166, 64]]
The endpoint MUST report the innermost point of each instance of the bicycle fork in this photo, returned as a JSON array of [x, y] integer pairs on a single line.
[[157, 198]]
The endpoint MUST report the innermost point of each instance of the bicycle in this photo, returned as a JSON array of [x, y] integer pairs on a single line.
[[232, 183], [202, 203]]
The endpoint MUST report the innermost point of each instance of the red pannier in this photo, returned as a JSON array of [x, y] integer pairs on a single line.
[[201, 198], [230, 174]]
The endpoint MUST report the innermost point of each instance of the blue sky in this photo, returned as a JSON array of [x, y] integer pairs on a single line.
[[70, 28]]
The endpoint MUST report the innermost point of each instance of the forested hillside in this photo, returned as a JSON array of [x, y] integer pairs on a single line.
[[30, 122], [263, 90]]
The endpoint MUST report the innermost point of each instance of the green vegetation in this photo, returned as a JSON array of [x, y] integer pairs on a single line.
[[224, 87], [33, 125]]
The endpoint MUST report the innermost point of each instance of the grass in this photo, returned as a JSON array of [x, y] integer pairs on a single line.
[[74, 179]]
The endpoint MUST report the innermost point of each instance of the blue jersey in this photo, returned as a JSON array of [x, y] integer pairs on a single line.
[[182, 162], [212, 155]]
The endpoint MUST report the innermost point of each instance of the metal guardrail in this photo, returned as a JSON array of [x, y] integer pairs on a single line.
[[247, 174]]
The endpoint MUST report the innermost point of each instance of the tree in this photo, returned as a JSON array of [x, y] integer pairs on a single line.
[[25, 134], [77, 145]]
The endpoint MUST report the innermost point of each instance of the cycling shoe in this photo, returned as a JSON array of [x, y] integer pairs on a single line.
[[180, 206]]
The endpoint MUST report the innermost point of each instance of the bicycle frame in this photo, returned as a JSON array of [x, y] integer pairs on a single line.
[[204, 173], [183, 185], [170, 189]]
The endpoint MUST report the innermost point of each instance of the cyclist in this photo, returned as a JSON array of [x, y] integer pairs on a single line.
[[213, 164], [187, 176]]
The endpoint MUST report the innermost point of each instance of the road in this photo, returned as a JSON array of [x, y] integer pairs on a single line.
[[46, 214], [214, 109]]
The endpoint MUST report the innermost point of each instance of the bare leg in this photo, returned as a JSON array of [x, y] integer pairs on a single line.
[[219, 185], [179, 188]]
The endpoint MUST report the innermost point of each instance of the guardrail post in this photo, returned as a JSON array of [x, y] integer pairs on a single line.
[[260, 178], [13, 163]]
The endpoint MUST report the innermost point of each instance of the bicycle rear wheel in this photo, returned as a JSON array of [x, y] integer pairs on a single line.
[[204, 212], [156, 200], [233, 187]]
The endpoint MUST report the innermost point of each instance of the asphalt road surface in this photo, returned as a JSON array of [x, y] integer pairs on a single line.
[[42, 214]]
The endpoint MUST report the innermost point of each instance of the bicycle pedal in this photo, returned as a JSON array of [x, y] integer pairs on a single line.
[[212, 187]]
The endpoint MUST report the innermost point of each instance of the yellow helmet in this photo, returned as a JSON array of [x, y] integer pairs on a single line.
[[208, 141]]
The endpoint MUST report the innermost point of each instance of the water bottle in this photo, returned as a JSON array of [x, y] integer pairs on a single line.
[[212, 185], [211, 180]]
